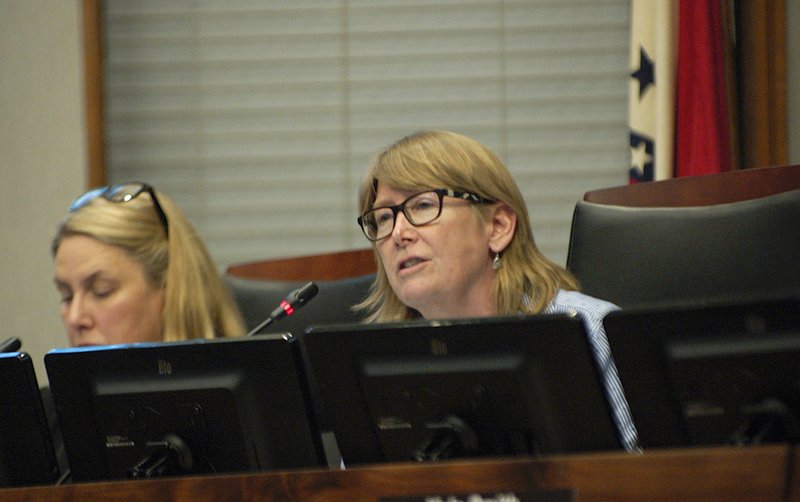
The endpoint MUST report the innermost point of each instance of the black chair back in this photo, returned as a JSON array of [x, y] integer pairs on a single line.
[[645, 256]]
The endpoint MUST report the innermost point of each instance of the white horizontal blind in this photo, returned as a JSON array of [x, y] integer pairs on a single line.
[[259, 117]]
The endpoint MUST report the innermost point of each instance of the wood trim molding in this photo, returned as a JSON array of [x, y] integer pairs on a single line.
[[93, 87], [761, 75], [319, 267]]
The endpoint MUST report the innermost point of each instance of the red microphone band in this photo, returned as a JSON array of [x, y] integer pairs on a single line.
[[287, 308]]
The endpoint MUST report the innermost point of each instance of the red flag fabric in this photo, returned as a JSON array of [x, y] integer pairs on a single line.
[[702, 134]]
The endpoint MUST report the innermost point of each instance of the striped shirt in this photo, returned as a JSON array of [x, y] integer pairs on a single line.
[[592, 310]]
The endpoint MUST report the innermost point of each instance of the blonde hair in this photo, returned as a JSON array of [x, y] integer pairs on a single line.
[[527, 282], [197, 302]]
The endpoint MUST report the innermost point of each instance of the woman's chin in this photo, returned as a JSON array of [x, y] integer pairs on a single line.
[[419, 299]]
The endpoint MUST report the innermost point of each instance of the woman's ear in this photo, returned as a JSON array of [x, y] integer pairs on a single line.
[[503, 224]]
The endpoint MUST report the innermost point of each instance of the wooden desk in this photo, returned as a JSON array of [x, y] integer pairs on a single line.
[[714, 474]]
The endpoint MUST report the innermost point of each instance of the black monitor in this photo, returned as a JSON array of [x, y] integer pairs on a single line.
[[27, 454], [433, 390], [712, 374], [177, 408]]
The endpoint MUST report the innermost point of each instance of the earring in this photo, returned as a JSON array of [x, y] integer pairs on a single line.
[[497, 261]]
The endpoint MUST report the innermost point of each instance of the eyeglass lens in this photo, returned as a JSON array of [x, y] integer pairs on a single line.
[[418, 209]]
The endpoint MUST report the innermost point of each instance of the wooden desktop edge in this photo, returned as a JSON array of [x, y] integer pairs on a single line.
[[725, 473], [720, 188]]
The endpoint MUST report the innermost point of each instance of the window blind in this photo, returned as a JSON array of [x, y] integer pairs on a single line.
[[259, 117]]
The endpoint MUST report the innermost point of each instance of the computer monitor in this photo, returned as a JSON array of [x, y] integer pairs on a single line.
[[710, 374], [433, 390], [27, 454], [176, 408]]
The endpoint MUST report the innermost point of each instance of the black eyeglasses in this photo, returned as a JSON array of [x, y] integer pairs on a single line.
[[418, 209], [122, 192]]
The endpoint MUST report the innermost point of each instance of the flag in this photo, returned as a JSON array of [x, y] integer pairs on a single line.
[[651, 92], [703, 137]]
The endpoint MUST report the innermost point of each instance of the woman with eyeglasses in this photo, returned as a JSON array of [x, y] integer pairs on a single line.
[[453, 239], [130, 268]]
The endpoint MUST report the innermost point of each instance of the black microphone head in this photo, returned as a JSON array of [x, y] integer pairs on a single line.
[[301, 296], [11, 344]]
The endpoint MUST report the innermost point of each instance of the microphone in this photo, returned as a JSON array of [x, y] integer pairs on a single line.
[[11, 344], [288, 305]]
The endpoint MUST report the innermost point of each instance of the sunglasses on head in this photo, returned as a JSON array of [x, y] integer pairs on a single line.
[[122, 192]]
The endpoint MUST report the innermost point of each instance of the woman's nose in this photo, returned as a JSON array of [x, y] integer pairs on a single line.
[[401, 227], [76, 313]]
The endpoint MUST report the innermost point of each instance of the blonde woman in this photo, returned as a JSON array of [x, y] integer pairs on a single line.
[[130, 268], [452, 238]]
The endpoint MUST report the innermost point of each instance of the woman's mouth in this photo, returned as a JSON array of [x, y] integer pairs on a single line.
[[410, 263]]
